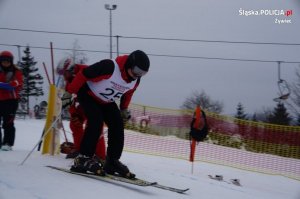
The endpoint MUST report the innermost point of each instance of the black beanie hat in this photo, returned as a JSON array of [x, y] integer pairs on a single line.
[[139, 59]]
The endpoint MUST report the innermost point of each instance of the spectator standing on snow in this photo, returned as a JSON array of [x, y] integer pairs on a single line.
[[11, 81]]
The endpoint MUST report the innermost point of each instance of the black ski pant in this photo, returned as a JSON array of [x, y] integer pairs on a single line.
[[97, 113], [8, 109]]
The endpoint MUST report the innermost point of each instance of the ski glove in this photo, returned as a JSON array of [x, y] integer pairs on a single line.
[[14, 83], [67, 100], [126, 115]]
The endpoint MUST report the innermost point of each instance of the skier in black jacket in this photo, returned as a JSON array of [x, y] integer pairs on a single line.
[[97, 87]]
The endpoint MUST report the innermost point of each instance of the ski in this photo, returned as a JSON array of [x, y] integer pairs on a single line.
[[221, 179], [113, 178], [173, 189], [107, 177]]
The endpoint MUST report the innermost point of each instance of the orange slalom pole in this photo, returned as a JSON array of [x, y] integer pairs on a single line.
[[193, 147]]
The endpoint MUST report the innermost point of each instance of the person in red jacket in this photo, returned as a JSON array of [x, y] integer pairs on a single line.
[[97, 87], [11, 81], [68, 69]]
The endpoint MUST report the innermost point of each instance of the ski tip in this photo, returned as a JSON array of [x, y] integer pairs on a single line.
[[184, 190], [235, 182]]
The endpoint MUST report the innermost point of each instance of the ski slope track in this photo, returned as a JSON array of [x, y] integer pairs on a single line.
[[33, 180]]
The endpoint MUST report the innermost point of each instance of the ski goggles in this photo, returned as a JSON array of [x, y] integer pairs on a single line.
[[62, 71], [8, 59], [137, 72]]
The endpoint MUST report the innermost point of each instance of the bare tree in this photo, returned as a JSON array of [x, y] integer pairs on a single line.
[[78, 56], [293, 103], [204, 101]]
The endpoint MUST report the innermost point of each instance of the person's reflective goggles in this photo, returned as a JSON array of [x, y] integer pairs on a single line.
[[137, 72]]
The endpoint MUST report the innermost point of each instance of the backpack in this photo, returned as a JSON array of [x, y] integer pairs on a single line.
[[199, 133]]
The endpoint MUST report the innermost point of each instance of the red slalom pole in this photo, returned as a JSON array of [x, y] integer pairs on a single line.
[[52, 62], [46, 71]]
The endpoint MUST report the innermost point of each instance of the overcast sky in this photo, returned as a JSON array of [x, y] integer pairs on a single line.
[[171, 80]]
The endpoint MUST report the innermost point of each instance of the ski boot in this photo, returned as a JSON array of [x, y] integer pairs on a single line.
[[6, 147], [84, 164], [115, 167], [72, 154], [98, 159]]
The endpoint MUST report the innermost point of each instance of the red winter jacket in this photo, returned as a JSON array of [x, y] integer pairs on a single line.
[[70, 76], [16, 81], [68, 79]]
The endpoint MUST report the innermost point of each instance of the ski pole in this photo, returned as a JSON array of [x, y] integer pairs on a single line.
[[63, 128], [40, 144], [40, 140]]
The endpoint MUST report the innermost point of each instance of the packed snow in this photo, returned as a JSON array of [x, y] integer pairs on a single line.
[[33, 180]]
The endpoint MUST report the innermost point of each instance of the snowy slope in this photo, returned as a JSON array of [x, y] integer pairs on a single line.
[[32, 180]]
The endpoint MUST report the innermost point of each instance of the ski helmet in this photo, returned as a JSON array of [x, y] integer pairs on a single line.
[[63, 65], [6, 56], [138, 62]]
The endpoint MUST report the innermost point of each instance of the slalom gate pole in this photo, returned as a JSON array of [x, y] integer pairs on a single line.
[[49, 81], [47, 74], [192, 154], [52, 62], [40, 140], [51, 116]]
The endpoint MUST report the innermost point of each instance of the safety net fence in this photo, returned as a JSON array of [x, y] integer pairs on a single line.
[[243, 144]]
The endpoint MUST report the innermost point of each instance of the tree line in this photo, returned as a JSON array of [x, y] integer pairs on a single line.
[[277, 115]]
